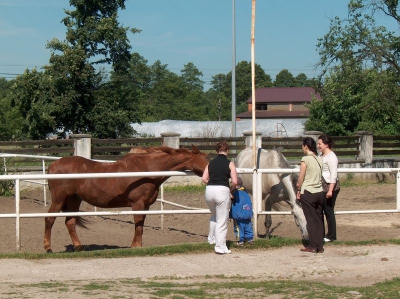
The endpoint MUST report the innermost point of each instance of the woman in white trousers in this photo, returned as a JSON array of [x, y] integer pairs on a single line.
[[218, 197]]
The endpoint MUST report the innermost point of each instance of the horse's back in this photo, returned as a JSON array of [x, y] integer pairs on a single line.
[[67, 164]]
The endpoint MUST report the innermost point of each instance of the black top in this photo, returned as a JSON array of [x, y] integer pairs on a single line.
[[219, 171]]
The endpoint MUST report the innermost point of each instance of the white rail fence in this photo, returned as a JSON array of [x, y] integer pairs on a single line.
[[257, 174]]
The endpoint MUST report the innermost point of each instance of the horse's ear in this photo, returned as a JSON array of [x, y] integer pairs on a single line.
[[195, 150]]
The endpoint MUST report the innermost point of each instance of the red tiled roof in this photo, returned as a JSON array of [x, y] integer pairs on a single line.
[[275, 114], [284, 95]]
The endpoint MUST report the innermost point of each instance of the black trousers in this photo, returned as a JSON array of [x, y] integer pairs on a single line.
[[312, 208], [329, 211]]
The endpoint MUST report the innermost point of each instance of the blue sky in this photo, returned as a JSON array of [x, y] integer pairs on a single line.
[[180, 31]]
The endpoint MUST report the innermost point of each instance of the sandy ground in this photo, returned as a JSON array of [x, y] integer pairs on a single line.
[[339, 265]]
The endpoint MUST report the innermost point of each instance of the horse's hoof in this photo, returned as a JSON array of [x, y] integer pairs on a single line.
[[78, 248], [49, 251]]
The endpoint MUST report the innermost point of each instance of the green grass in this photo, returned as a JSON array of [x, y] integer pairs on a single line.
[[275, 242], [188, 188]]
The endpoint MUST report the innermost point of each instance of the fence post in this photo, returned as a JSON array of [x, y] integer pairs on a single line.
[[366, 146], [314, 135], [249, 139], [171, 139], [82, 145]]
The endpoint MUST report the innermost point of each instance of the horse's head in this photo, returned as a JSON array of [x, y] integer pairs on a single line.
[[198, 162]]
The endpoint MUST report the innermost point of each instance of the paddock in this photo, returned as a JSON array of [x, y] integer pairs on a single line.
[[114, 229]]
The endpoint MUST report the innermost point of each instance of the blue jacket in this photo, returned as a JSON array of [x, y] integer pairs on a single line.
[[241, 208]]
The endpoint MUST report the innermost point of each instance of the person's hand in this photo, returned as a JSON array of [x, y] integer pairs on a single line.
[[329, 194], [298, 195]]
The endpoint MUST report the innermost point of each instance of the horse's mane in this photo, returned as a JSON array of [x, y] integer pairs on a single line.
[[153, 149]]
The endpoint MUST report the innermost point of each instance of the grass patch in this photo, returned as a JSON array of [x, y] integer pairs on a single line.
[[191, 188], [274, 242], [223, 287], [96, 287], [247, 287], [349, 182]]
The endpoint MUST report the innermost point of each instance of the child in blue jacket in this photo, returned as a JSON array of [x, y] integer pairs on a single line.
[[241, 212]]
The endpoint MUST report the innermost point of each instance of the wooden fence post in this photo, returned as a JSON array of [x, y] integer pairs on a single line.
[[171, 139], [82, 145], [366, 146], [249, 139]]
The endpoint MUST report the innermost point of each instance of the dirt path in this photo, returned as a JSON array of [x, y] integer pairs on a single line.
[[339, 265]]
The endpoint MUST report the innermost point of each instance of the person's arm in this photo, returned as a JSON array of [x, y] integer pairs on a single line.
[[234, 179], [332, 166], [300, 180], [206, 175]]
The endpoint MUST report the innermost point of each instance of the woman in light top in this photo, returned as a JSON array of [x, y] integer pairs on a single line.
[[330, 175]]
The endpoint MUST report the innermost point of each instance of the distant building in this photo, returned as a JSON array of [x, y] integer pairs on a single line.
[[280, 102]]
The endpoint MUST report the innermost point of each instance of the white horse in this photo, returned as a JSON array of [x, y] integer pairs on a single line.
[[275, 187]]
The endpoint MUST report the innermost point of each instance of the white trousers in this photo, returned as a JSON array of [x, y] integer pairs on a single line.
[[219, 202]]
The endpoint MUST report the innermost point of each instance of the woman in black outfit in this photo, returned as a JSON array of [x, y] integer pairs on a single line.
[[218, 197]]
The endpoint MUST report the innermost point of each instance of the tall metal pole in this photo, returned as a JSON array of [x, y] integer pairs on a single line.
[[233, 71], [253, 87], [256, 176]]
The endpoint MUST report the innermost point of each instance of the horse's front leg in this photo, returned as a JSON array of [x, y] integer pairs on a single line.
[[295, 205], [268, 217]]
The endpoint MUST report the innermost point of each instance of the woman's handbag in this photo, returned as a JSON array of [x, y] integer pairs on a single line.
[[325, 185]]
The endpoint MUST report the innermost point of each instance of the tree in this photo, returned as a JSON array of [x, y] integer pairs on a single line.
[[359, 41], [360, 73], [10, 118], [69, 95], [338, 113], [301, 80], [222, 84], [192, 101], [285, 79], [132, 87], [356, 100]]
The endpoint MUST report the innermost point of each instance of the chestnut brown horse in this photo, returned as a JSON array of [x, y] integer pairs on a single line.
[[139, 193]]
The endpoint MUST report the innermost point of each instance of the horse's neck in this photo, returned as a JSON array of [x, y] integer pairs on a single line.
[[165, 162], [178, 163]]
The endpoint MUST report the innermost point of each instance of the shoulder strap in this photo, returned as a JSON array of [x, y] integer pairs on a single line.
[[318, 162]]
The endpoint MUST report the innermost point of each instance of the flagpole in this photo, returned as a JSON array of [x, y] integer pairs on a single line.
[[233, 71]]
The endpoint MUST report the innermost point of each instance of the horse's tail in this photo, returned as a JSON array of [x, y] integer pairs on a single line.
[[81, 222]]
